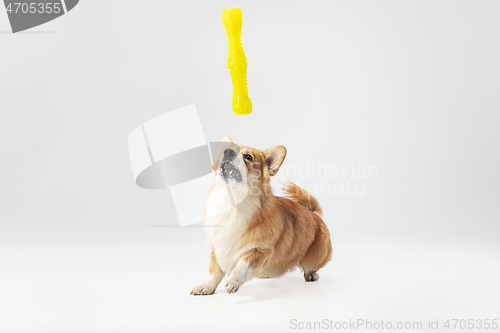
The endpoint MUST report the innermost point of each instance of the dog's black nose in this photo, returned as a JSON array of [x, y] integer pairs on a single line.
[[230, 154]]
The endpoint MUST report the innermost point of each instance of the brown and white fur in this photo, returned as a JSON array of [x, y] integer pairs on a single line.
[[254, 233]]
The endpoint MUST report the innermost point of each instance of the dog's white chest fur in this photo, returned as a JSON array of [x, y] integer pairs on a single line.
[[226, 224], [225, 242]]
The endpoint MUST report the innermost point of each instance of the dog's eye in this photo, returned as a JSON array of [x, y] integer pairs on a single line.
[[248, 157]]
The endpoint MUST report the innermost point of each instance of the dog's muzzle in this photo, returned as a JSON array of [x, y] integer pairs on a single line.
[[227, 169]]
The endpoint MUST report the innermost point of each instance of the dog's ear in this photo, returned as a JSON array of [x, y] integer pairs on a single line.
[[227, 138], [274, 158], [224, 143]]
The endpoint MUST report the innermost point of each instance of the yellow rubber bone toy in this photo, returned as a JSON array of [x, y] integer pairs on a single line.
[[232, 19]]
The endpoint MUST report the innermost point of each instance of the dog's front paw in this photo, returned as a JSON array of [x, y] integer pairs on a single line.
[[233, 285], [203, 290], [311, 276]]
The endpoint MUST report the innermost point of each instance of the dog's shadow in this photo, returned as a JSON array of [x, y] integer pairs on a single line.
[[259, 290]]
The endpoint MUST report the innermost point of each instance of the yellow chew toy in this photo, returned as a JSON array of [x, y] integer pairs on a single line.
[[232, 19]]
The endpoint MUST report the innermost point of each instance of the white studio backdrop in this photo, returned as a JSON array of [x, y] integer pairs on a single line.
[[389, 112]]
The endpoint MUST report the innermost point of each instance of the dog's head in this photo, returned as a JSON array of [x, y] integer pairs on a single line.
[[241, 166]]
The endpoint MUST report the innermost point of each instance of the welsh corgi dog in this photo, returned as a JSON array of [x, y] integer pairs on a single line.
[[253, 233]]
